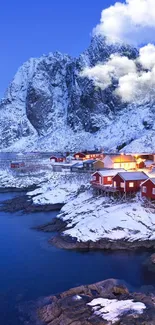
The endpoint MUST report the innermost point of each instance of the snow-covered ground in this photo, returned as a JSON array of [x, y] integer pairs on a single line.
[[60, 188], [9, 179], [95, 218], [111, 310], [88, 217]]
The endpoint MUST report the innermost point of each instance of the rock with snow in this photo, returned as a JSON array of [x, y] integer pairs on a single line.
[[103, 223], [97, 304], [50, 106], [60, 188], [113, 309], [11, 180]]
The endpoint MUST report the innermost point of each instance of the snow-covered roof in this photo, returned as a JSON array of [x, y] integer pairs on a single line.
[[151, 179], [109, 172], [78, 165], [57, 155], [90, 161], [89, 152], [92, 152], [17, 162], [130, 176]]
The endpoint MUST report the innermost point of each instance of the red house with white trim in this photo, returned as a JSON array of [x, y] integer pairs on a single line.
[[148, 188], [129, 181], [104, 177]]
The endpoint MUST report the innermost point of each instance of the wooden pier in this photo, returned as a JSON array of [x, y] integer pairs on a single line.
[[107, 190]]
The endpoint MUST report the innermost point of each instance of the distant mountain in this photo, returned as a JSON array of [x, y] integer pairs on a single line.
[[49, 106]]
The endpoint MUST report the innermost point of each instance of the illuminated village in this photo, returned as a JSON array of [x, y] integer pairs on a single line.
[[117, 175]]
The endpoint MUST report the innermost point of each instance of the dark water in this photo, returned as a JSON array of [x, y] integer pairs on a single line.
[[30, 268]]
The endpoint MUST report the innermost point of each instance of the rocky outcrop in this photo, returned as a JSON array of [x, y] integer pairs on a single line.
[[73, 306], [70, 243], [26, 205], [150, 263]]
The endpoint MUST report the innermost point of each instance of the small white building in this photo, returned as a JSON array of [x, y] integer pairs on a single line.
[[120, 161]]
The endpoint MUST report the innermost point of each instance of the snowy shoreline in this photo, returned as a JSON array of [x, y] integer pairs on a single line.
[[86, 221]]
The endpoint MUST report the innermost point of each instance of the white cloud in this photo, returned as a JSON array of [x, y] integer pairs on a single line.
[[102, 74], [133, 85], [139, 85], [147, 56], [131, 22], [136, 87]]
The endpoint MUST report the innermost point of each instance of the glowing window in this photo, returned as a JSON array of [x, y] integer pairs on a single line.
[[109, 179], [131, 184], [122, 185]]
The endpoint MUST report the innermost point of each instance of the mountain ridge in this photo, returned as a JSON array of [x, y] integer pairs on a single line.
[[50, 106]]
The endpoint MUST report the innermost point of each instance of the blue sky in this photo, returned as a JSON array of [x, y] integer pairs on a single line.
[[31, 28]]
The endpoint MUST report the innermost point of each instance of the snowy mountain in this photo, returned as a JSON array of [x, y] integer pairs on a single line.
[[50, 106]]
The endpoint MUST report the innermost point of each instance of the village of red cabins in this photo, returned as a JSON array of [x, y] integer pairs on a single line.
[[115, 173], [111, 173]]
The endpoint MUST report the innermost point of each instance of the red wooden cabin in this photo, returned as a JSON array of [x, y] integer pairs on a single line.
[[148, 188], [80, 156], [104, 177], [88, 155], [129, 181], [17, 164], [57, 158]]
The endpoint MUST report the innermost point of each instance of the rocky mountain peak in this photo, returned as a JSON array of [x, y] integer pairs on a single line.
[[50, 106]]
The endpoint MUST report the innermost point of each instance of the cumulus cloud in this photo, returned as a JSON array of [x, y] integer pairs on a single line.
[[137, 86], [147, 56], [131, 22], [115, 67], [134, 84]]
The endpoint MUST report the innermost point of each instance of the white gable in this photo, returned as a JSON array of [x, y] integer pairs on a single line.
[[108, 163]]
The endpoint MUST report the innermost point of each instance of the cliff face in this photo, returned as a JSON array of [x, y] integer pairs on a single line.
[[49, 106]]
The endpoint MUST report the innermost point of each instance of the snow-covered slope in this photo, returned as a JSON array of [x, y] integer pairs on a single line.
[[50, 106], [94, 218]]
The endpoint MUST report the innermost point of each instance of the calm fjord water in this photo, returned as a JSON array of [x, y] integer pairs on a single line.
[[30, 268]]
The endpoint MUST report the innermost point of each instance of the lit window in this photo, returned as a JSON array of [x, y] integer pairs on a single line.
[[131, 184], [122, 185], [114, 184], [77, 156], [109, 179], [144, 189], [153, 191]]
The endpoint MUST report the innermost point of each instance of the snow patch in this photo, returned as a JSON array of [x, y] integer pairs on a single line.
[[112, 309]]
